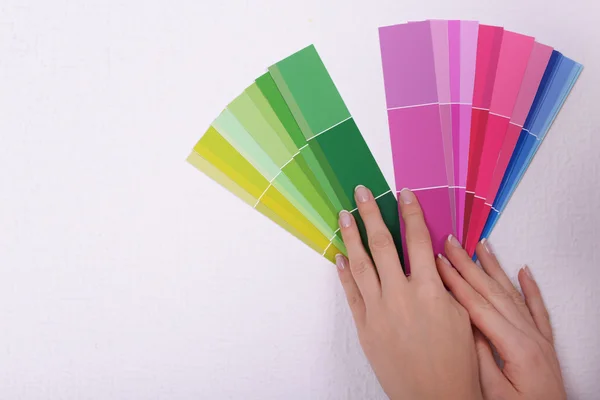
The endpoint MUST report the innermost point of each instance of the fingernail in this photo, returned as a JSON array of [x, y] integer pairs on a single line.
[[406, 196], [453, 241], [488, 246], [362, 194], [444, 259], [345, 219], [528, 272], [340, 261]]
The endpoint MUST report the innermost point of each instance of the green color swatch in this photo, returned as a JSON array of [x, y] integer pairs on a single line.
[[331, 133], [289, 147]]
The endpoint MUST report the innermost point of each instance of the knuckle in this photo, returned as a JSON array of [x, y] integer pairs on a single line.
[[353, 301], [352, 239], [429, 291], [412, 213], [346, 279], [380, 240], [480, 310], [495, 289], [532, 353], [418, 240], [517, 298], [369, 210], [360, 266]]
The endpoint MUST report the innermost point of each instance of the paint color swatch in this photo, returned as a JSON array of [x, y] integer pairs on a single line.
[[289, 147], [468, 106]]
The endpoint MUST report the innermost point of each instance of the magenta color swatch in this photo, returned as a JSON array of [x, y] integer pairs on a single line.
[[408, 67], [417, 124], [441, 57]]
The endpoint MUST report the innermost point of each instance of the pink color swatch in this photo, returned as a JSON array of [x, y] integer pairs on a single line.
[[463, 45], [441, 58], [488, 52], [538, 60], [512, 63], [417, 136]]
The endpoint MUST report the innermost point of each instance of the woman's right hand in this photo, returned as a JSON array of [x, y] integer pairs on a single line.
[[519, 328]]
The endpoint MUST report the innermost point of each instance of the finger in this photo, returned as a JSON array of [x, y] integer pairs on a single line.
[[418, 241], [493, 382], [361, 266], [487, 287], [492, 267], [535, 303], [381, 243], [353, 296], [482, 313]]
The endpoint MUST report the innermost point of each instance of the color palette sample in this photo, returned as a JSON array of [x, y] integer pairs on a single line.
[[289, 147], [468, 106], [502, 90]]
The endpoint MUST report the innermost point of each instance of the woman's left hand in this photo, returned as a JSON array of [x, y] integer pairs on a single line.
[[417, 338]]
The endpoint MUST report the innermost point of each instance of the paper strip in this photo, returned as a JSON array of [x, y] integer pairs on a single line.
[[214, 156], [441, 57], [415, 123], [488, 51], [557, 82], [332, 134], [512, 64], [536, 66], [466, 46]]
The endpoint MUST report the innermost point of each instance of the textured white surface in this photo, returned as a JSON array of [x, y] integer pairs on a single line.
[[127, 274]]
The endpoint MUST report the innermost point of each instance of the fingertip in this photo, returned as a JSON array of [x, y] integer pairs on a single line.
[[443, 265], [486, 245], [457, 254], [443, 260], [362, 194], [407, 196], [527, 272], [344, 219], [445, 269], [341, 262], [527, 282], [481, 250], [525, 276], [453, 242]]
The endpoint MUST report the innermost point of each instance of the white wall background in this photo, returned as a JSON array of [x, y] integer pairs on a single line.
[[127, 274]]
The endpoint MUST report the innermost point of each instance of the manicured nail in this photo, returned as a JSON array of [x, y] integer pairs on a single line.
[[453, 241], [406, 196], [444, 259], [340, 261], [528, 272], [345, 219], [362, 194], [487, 246]]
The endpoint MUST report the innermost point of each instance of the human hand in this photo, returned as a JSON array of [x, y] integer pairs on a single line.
[[519, 328], [417, 338]]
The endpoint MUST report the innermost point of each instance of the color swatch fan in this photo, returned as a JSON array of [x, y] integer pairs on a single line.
[[468, 106], [289, 147]]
